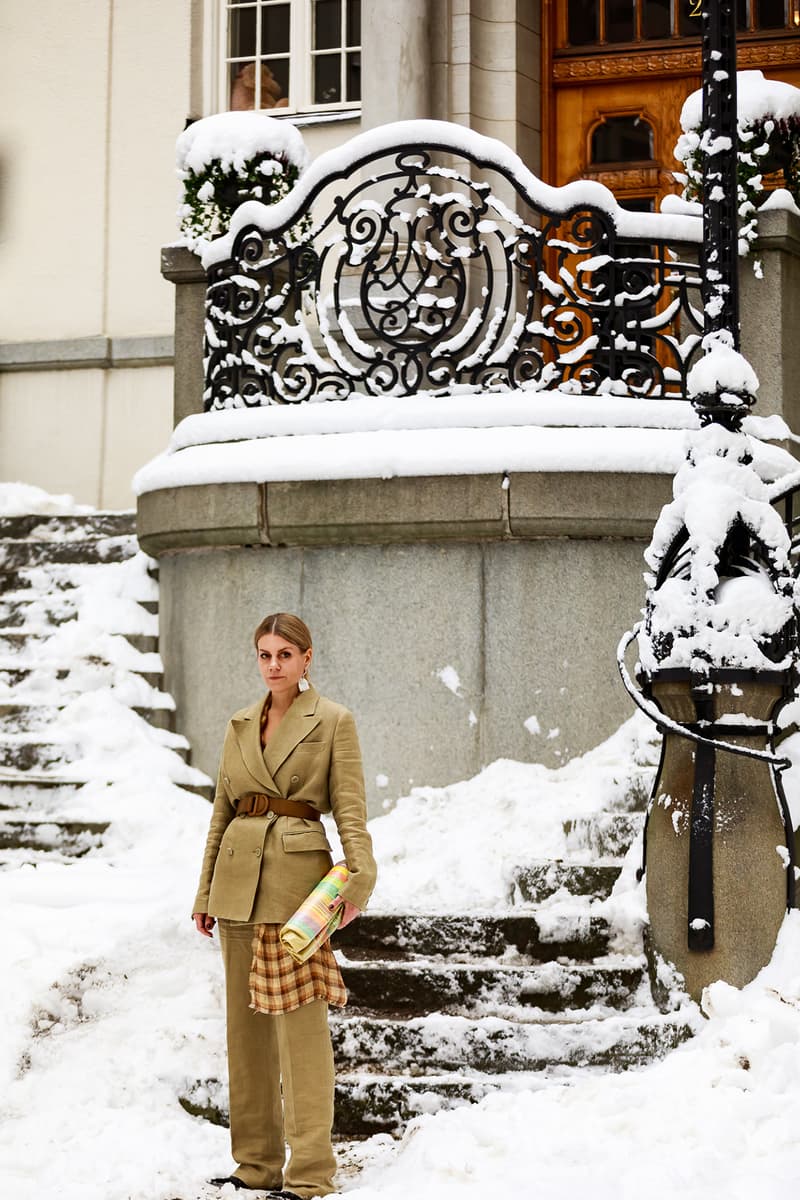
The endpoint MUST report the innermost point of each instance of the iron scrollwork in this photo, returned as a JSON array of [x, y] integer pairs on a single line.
[[420, 278]]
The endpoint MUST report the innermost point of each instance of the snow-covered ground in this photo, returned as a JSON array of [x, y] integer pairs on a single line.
[[111, 1006]]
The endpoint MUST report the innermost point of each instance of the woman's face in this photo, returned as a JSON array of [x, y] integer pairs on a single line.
[[281, 663]]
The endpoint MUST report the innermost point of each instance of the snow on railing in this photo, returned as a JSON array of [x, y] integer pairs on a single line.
[[397, 264]]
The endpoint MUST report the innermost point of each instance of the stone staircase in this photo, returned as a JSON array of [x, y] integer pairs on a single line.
[[51, 653], [444, 1009]]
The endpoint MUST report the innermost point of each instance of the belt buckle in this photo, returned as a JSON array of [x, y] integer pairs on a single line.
[[259, 804]]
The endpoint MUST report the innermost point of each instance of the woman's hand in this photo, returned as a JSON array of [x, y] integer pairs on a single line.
[[205, 923], [349, 913]]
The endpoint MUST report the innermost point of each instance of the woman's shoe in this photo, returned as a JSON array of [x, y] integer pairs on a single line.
[[235, 1180]]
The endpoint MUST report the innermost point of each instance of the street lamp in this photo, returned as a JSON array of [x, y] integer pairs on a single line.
[[718, 642]]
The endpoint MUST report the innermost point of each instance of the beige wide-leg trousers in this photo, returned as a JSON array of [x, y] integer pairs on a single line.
[[266, 1054]]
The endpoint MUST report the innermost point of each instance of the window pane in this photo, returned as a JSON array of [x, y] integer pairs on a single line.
[[327, 78], [241, 85], [275, 29], [770, 14], [582, 22], [637, 203], [620, 25], [353, 76], [656, 19], [274, 84], [353, 33], [742, 14], [622, 139], [242, 33], [327, 24]]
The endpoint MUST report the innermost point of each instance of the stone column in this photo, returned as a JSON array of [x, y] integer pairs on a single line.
[[395, 61], [185, 270], [770, 314]]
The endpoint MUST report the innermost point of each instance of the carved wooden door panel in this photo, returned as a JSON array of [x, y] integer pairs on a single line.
[[616, 74]]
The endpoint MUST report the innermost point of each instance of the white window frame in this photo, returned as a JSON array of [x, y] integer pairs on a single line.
[[301, 59]]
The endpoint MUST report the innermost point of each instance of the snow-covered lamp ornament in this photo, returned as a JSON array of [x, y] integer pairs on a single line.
[[717, 651], [718, 644]]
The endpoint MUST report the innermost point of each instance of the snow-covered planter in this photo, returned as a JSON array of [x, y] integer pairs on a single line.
[[769, 141], [229, 158]]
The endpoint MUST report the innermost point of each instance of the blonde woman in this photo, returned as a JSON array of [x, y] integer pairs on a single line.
[[286, 759]]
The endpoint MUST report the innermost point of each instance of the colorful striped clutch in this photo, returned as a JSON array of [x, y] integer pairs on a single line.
[[313, 923]]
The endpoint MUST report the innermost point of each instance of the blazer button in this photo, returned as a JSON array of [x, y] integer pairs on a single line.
[[295, 779], [230, 849], [257, 853]]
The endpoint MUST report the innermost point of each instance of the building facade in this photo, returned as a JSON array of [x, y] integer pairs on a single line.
[[93, 105]]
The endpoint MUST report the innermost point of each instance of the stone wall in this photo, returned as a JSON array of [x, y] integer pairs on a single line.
[[521, 591]]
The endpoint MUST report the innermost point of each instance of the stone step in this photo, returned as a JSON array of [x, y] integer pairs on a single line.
[[605, 835], [434, 1044], [21, 752], [36, 718], [22, 794], [391, 935], [23, 789], [23, 677], [368, 1104], [535, 882], [15, 555], [70, 838], [74, 526], [14, 642], [405, 988]]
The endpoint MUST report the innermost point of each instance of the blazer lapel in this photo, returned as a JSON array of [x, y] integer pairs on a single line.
[[300, 719], [247, 730]]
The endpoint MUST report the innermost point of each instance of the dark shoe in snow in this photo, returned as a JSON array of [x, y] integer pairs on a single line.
[[235, 1180]]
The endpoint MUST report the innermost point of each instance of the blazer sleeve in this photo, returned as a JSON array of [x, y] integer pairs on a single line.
[[348, 801], [221, 816]]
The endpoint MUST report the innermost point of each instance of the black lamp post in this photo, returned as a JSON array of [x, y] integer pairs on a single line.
[[717, 889], [720, 283]]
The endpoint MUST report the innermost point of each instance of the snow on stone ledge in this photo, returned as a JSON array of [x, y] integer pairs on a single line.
[[231, 138], [373, 438], [780, 200], [487, 151]]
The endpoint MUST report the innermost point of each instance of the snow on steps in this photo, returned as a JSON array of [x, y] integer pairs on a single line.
[[445, 1009], [75, 617]]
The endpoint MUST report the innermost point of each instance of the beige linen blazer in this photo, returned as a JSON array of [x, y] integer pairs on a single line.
[[262, 868]]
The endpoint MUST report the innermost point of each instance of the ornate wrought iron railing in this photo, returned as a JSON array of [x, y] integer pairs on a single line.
[[386, 272]]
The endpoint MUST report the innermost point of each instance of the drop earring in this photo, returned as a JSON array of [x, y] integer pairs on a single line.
[[303, 685]]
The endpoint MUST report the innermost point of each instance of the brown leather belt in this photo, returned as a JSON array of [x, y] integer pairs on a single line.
[[255, 804]]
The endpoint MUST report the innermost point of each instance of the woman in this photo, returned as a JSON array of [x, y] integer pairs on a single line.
[[286, 759]]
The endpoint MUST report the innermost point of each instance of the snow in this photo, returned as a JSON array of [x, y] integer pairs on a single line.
[[780, 200], [716, 1118], [460, 140], [380, 438], [231, 138], [697, 617], [19, 499], [757, 99], [721, 370], [112, 1005]]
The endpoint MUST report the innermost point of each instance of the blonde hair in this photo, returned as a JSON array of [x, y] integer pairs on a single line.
[[285, 625]]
